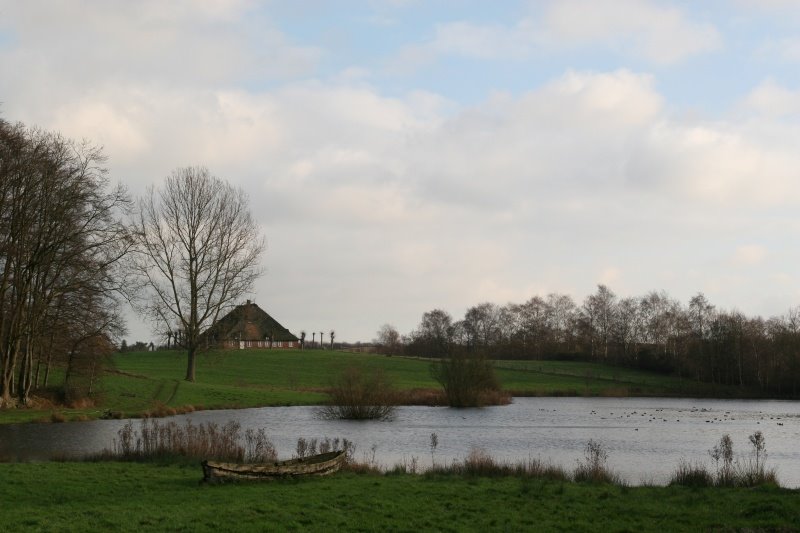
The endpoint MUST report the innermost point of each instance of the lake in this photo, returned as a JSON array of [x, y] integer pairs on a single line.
[[645, 438]]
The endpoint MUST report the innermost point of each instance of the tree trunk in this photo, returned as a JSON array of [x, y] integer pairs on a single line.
[[191, 363]]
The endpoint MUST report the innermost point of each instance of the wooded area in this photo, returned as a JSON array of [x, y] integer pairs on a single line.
[[62, 239], [653, 332]]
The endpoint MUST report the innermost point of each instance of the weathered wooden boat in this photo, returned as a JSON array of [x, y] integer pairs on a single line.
[[315, 465]]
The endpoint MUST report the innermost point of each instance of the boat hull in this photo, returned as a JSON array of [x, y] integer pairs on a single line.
[[316, 465]]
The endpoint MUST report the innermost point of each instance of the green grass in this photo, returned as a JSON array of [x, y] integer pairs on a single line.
[[142, 382], [148, 497], [539, 378]]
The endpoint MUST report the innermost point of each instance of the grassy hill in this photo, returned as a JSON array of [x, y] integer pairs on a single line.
[[140, 383]]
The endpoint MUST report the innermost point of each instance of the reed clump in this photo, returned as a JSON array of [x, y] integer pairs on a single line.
[[479, 463], [156, 440], [594, 467], [729, 471]]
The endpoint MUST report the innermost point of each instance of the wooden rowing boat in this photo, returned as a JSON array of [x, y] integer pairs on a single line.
[[315, 465]]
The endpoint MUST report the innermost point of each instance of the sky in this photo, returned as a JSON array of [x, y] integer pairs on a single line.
[[403, 156]]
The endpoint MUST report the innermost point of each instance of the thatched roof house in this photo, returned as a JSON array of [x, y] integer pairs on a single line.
[[248, 326]]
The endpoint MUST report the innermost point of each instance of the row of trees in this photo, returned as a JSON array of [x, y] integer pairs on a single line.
[[314, 342], [73, 248], [61, 245], [694, 340]]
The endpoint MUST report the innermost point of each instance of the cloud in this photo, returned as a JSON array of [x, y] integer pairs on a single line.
[[84, 44], [786, 49], [470, 40], [748, 255], [380, 204], [642, 28], [634, 28], [772, 99], [453, 205]]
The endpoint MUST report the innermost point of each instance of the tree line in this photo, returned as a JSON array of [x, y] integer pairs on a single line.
[[695, 340], [74, 247], [61, 242]]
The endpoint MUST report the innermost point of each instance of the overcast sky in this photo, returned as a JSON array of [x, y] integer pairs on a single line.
[[408, 155]]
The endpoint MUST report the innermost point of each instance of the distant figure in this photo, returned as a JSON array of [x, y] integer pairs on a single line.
[[151, 347]]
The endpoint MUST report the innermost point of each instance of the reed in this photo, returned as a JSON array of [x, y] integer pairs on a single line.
[[156, 440], [594, 467], [729, 471], [479, 463]]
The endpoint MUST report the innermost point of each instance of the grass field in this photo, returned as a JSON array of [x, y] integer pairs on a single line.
[[116, 496], [142, 383]]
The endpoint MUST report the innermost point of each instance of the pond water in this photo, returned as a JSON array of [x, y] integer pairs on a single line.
[[645, 438]]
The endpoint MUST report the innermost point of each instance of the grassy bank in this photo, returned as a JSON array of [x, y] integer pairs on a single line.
[[151, 383], [140, 497]]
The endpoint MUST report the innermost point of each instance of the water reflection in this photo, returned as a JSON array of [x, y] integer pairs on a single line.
[[645, 437]]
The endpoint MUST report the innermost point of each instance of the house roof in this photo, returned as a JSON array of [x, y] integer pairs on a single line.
[[248, 322]]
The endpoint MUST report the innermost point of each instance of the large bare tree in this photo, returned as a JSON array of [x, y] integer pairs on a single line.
[[198, 252]]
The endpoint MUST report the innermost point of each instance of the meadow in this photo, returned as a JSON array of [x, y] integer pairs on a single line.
[[118, 496], [138, 384]]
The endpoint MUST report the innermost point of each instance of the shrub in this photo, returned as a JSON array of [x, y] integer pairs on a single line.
[[358, 395], [593, 468], [468, 380]]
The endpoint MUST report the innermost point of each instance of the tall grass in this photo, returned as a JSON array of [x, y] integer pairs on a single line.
[[594, 467], [728, 470], [156, 440]]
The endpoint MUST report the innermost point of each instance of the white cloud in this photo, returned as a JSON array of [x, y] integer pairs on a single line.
[[786, 49], [376, 207], [428, 206], [634, 28], [772, 99], [662, 34], [749, 254]]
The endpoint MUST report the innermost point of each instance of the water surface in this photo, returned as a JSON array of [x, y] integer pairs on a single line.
[[645, 438]]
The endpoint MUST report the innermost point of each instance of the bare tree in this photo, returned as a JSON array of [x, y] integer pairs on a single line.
[[332, 335], [198, 252], [61, 239], [389, 339]]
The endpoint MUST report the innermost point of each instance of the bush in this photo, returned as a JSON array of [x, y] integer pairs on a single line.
[[468, 380], [358, 395], [593, 468]]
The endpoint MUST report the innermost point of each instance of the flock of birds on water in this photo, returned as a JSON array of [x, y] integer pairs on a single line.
[[657, 415]]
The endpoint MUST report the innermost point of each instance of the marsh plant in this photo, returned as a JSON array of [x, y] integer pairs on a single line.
[[594, 466], [728, 470], [480, 463], [308, 447], [157, 440], [434, 444]]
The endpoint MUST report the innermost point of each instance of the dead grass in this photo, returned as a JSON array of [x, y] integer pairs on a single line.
[[480, 463], [155, 440]]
